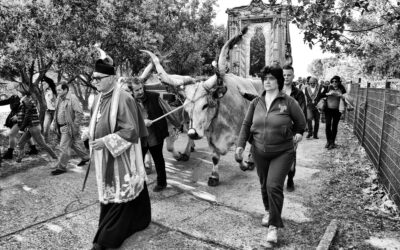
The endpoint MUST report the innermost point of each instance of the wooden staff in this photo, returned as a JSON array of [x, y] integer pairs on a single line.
[[170, 112]]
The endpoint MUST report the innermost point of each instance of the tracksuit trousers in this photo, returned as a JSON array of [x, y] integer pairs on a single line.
[[272, 168]]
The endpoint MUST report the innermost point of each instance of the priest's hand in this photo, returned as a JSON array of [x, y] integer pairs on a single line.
[[97, 144]]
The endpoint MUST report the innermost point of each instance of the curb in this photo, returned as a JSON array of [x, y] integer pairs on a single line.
[[328, 236]]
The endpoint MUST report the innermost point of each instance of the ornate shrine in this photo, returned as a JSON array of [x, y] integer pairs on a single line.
[[272, 20]]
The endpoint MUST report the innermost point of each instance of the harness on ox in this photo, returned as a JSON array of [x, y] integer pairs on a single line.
[[213, 96]]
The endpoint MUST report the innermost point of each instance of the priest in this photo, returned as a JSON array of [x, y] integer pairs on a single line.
[[115, 130]]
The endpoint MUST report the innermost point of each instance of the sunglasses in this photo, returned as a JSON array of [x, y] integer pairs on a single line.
[[97, 79]]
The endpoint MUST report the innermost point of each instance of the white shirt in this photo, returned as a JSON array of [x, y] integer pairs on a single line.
[[287, 89], [50, 100]]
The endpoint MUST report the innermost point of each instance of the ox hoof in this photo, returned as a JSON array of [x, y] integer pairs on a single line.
[[213, 180], [250, 165], [182, 157]]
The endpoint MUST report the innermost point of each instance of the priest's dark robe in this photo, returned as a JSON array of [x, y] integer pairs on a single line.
[[120, 174]]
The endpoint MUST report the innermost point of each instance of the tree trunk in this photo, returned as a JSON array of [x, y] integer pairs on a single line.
[[82, 93], [33, 86]]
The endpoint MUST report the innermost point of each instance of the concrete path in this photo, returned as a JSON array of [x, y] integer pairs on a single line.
[[40, 211]]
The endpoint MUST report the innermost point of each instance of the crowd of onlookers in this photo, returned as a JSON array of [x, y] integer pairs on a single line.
[[327, 106]]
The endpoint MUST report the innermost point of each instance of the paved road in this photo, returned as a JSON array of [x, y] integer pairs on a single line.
[[39, 211]]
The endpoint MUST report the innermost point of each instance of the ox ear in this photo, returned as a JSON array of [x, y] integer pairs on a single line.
[[246, 92]]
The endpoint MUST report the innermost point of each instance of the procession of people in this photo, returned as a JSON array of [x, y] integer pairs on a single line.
[[121, 131]]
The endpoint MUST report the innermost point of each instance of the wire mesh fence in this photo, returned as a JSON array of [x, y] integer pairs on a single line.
[[376, 123]]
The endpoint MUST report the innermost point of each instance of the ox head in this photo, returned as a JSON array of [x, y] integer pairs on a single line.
[[202, 98]]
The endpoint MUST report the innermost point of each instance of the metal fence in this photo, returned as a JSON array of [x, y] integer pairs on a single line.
[[376, 123]]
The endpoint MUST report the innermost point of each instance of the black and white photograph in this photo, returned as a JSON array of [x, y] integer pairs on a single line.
[[199, 124]]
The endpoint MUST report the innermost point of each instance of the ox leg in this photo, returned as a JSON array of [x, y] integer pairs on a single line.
[[148, 163], [191, 145], [189, 148], [213, 180], [170, 140]]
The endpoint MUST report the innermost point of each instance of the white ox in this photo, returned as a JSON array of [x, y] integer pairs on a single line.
[[215, 106]]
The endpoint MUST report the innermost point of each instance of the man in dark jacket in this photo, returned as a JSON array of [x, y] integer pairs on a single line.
[[28, 121], [11, 123], [298, 95], [152, 107]]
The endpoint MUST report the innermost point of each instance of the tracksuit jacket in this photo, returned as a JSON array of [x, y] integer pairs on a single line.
[[272, 130]]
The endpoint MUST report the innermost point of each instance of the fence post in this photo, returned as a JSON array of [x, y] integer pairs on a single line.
[[356, 107], [365, 114], [349, 90], [387, 89]]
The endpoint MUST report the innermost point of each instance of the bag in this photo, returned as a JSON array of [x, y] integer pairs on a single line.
[[321, 106]]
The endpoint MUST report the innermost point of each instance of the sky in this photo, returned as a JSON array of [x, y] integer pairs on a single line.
[[302, 54]]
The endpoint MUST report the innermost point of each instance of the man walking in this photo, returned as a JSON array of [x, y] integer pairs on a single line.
[[28, 121], [11, 122], [291, 90], [67, 119], [152, 107], [314, 93]]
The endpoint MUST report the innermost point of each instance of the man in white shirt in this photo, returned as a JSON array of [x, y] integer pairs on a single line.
[[314, 93]]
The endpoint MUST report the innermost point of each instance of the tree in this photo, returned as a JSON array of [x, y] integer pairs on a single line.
[[257, 52], [28, 45], [59, 38], [347, 68], [366, 30], [316, 68], [187, 32]]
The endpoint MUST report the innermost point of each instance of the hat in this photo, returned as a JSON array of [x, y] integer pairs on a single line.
[[103, 67]]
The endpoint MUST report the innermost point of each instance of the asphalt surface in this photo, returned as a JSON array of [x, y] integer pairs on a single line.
[[40, 211]]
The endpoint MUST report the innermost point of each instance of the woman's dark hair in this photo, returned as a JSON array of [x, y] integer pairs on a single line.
[[340, 85], [276, 71]]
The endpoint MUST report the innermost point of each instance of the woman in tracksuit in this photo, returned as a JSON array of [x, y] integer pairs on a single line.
[[273, 124]]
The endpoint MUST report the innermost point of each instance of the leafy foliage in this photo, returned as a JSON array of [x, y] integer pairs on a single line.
[[366, 30], [316, 68], [37, 38], [257, 53]]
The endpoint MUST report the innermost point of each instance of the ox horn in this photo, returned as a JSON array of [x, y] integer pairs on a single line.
[[173, 80], [223, 55], [146, 71], [210, 82]]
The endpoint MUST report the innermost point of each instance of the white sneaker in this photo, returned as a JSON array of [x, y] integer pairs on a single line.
[[265, 219], [272, 234]]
